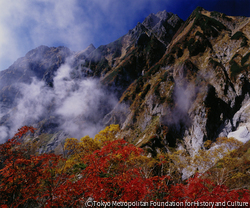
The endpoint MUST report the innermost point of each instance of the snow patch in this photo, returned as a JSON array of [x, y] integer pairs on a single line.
[[241, 134]]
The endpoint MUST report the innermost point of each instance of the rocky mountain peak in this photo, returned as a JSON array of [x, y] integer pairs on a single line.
[[163, 15], [186, 82], [40, 63], [150, 21], [81, 55], [41, 49], [163, 24], [89, 49], [153, 19]]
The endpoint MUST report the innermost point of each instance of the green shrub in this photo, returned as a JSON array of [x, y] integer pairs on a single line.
[[226, 17], [156, 88], [78, 167], [218, 15], [238, 35], [177, 49], [235, 68], [198, 33], [110, 77], [215, 14], [245, 59], [213, 62], [196, 47], [244, 42], [208, 25], [145, 91]]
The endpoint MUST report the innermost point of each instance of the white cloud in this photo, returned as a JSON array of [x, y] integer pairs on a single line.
[[26, 24], [78, 105]]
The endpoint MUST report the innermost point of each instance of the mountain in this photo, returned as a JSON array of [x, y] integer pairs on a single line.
[[122, 61], [197, 91], [41, 63], [168, 83]]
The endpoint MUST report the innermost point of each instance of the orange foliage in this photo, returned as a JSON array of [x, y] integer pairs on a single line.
[[110, 173]]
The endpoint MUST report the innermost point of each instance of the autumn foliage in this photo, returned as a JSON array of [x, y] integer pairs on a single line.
[[102, 169]]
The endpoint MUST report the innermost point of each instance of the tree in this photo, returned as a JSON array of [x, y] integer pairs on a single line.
[[27, 179], [76, 149], [113, 170], [111, 174], [201, 189]]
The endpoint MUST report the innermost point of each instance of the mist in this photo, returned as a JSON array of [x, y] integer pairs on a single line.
[[76, 105], [27, 24]]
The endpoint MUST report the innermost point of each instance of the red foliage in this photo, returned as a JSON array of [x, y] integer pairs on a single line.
[[22, 131], [200, 189], [24, 178], [110, 175]]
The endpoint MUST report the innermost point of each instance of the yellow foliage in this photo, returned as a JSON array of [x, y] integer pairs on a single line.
[[145, 164], [217, 158], [228, 143], [177, 162], [88, 144], [208, 143], [77, 149], [108, 134], [224, 167], [172, 164]]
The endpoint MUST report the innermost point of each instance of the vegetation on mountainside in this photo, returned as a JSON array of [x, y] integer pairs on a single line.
[[235, 68], [110, 169], [240, 35], [233, 169], [209, 26], [107, 168], [245, 59], [205, 28], [237, 35], [206, 42], [238, 64]]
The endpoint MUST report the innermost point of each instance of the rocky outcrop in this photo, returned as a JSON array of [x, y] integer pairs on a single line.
[[178, 83], [121, 62], [54, 144], [41, 63], [163, 24], [242, 134], [196, 90]]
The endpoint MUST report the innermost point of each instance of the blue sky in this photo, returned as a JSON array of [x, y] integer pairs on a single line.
[[27, 24]]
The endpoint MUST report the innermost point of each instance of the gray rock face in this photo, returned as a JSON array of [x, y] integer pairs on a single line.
[[151, 21], [207, 59], [82, 55], [56, 141], [163, 24], [195, 135], [187, 90], [118, 115], [89, 49], [240, 123], [243, 114], [241, 134], [41, 63]]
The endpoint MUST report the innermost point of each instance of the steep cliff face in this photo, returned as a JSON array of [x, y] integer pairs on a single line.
[[125, 60], [40, 63], [178, 83], [117, 65], [163, 24], [195, 92]]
